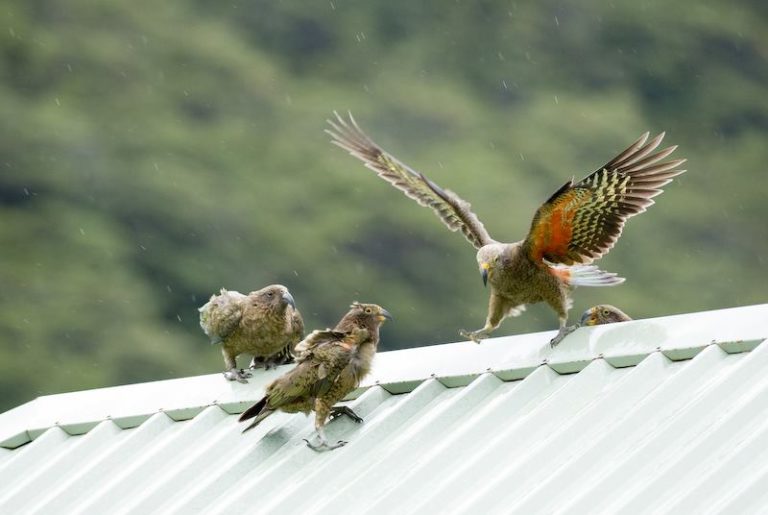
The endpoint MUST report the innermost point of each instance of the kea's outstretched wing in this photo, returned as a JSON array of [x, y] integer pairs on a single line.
[[455, 212], [582, 221]]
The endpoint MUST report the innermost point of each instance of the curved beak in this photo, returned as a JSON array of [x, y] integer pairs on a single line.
[[484, 273], [288, 299], [588, 318], [384, 314]]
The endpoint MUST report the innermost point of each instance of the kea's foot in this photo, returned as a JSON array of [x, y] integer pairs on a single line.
[[564, 331], [338, 411], [475, 336], [235, 374], [320, 444]]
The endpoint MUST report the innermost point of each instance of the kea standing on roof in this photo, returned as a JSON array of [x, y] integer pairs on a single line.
[[264, 323], [578, 224], [330, 364], [603, 314]]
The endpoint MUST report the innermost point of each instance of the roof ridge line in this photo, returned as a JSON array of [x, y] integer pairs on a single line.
[[510, 358]]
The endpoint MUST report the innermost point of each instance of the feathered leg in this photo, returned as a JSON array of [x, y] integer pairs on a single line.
[[496, 311], [561, 306], [232, 373], [322, 410]]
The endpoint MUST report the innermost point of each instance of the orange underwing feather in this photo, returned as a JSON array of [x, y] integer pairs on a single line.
[[581, 221]]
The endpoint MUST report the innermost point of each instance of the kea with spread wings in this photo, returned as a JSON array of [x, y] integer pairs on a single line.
[[330, 364], [578, 224]]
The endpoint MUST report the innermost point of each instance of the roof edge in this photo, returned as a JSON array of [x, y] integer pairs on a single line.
[[454, 364]]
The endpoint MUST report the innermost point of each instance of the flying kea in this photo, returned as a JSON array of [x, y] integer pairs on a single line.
[[330, 364], [603, 314], [577, 225], [264, 323]]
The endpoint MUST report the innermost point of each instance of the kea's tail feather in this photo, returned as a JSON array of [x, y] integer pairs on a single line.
[[253, 410], [585, 275]]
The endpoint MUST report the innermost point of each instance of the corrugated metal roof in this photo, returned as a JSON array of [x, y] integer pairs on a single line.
[[668, 415]]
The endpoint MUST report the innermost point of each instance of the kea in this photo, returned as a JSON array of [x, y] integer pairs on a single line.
[[330, 364], [264, 323], [603, 314], [578, 224]]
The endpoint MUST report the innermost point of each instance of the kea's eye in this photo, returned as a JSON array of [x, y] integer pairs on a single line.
[[270, 294], [368, 311], [606, 312]]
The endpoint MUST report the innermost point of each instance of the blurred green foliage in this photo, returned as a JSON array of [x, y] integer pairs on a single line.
[[153, 152]]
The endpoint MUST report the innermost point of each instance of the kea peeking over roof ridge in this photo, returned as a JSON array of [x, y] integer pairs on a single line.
[[603, 314], [577, 225], [264, 323], [330, 364]]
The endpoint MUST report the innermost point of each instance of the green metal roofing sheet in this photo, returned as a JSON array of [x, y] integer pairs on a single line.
[[668, 415]]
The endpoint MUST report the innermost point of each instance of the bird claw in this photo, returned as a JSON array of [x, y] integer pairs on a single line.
[[560, 336], [475, 336], [324, 446], [239, 375]]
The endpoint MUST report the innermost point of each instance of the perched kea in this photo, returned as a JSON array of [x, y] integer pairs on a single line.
[[264, 323], [577, 225], [603, 314], [330, 364]]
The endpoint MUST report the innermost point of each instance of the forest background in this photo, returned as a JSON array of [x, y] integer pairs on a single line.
[[153, 152]]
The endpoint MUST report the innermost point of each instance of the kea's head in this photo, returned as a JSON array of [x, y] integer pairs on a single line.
[[368, 316], [489, 258], [275, 297], [603, 314]]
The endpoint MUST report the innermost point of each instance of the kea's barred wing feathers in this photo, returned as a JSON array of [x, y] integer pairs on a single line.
[[582, 221], [455, 212], [316, 338]]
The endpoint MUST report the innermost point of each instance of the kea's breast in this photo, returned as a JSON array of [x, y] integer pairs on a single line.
[[524, 282]]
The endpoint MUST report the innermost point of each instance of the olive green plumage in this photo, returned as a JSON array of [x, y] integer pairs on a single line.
[[330, 364], [265, 323], [603, 314], [577, 225]]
